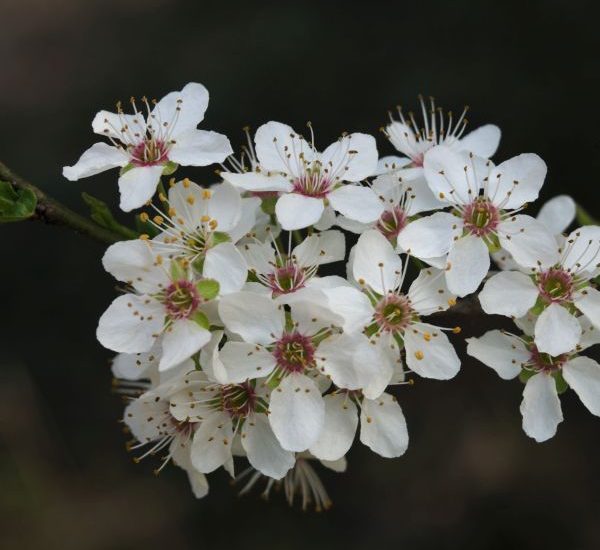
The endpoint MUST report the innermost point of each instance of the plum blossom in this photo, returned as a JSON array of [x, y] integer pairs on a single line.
[[558, 292], [309, 180], [144, 146], [545, 375], [485, 201]]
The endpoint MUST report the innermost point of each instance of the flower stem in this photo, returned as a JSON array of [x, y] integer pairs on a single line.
[[52, 212]]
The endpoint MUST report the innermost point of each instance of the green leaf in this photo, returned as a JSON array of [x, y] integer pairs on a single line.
[[16, 205], [219, 237], [170, 168], [201, 319], [526, 375], [101, 214], [208, 288], [561, 383], [584, 218], [268, 205]]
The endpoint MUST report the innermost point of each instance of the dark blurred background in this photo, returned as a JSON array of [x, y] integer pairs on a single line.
[[470, 479]]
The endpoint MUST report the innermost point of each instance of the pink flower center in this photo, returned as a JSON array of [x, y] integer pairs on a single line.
[[294, 352], [555, 285], [149, 152], [182, 299], [286, 279], [393, 313], [239, 400], [481, 217], [392, 222], [313, 184], [545, 362]]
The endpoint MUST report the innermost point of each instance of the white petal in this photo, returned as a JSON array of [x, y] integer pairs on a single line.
[[320, 248], [509, 293], [185, 107], [137, 186], [311, 311], [402, 138], [431, 236], [297, 211], [142, 416], [224, 205], [130, 324], [429, 353], [258, 181], [128, 129], [468, 264], [450, 175], [557, 214], [356, 202], [376, 264], [134, 263], [210, 359], [98, 158], [516, 181], [391, 163], [541, 407], [200, 148], [251, 211], [429, 293], [351, 158], [556, 331], [341, 420], [182, 339], [590, 335], [582, 248], [383, 427], [211, 447], [529, 242], [499, 351], [351, 361], [255, 318], [244, 361], [589, 304], [225, 264], [583, 376], [353, 306], [281, 149], [482, 141], [260, 257], [263, 450], [297, 412]]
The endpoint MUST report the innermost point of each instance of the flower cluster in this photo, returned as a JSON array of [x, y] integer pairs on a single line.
[[235, 344]]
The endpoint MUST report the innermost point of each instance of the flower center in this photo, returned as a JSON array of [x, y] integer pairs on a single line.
[[555, 285], [149, 152], [286, 279], [313, 183], [545, 362], [392, 222], [294, 352], [239, 400], [181, 299], [393, 313], [481, 217]]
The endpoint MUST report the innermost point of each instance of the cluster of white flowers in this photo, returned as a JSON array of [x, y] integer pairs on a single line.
[[233, 345]]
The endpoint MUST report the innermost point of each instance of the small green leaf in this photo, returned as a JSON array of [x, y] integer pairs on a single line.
[[170, 168], [584, 218], [526, 375], [561, 383], [101, 214], [493, 244], [201, 319], [268, 205], [219, 237], [16, 205], [208, 288]]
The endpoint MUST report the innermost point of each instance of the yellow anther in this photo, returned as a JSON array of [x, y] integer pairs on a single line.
[[172, 182], [144, 217], [162, 197], [158, 220], [213, 224], [427, 336], [419, 355], [205, 218], [457, 330], [186, 182], [451, 302], [172, 212], [159, 260], [206, 193], [442, 195], [144, 237], [191, 199], [361, 282]]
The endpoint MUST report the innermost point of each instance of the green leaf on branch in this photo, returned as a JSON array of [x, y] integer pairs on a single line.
[[208, 288], [16, 205], [101, 214], [584, 218]]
